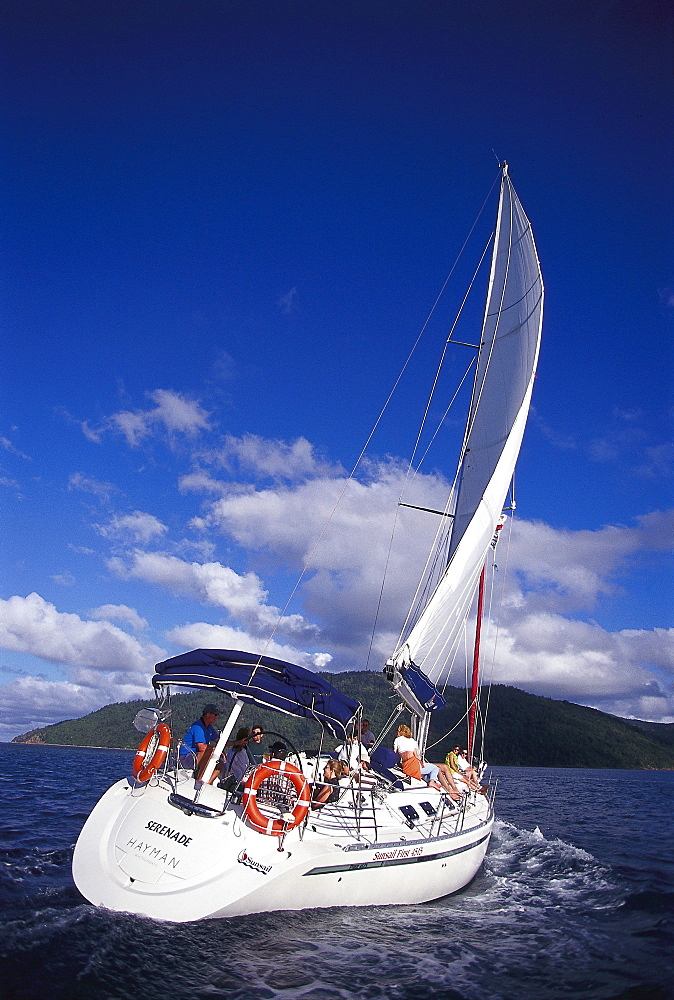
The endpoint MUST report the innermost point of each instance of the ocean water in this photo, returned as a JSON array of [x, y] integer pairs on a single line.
[[575, 902]]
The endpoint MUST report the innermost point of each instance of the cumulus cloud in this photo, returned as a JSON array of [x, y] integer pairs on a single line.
[[277, 513], [101, 664], [32, 702], [32, 625], [562, 568], [135, 527], [201, 634], [119, 612], [173, 414], [345, 569], [616, 672], [263, 458], [242, 596], [556, 576], [201, 481]]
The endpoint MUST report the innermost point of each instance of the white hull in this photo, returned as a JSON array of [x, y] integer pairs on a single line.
[[139, 853]]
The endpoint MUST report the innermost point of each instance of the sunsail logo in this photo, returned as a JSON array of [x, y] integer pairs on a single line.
[[244, 859]]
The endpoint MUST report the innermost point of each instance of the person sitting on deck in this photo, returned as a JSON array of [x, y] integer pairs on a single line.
[[452, 762], [254, 746], [352, 751], [198, 738], [237, 758], [440, 776], [364, 776], [365, 735], [467, 768], [278, 751], [407, 749], [327, 790]]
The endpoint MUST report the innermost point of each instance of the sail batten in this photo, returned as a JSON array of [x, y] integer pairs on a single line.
[[497, 414]]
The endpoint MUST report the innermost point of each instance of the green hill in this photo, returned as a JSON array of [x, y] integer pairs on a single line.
[[522, 729]]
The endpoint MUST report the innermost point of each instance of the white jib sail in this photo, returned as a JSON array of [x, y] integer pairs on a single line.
[[497, 416]]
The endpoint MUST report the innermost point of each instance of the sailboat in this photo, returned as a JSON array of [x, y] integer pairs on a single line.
[[169, 843]]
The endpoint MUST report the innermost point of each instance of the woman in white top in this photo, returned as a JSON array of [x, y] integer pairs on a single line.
[[407, 749]]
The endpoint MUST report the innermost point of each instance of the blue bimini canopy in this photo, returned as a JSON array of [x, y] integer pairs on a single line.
[[262, 681]]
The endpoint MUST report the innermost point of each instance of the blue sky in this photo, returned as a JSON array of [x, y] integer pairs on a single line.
[[225, 224]]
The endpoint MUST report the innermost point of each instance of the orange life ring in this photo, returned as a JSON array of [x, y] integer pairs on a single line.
[[142, 771], [251, 810]]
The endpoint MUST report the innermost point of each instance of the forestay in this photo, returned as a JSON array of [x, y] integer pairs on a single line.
[[497, 416]]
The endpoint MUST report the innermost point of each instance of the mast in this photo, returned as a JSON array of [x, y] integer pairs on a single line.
[[475, 680]]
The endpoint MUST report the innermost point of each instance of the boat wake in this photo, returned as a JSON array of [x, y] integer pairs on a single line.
[[541, 908]]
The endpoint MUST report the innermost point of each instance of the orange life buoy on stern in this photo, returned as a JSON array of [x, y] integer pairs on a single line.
[[274, 769], [143, 771]]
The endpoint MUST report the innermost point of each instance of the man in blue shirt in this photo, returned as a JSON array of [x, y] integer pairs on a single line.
[[198, 736]]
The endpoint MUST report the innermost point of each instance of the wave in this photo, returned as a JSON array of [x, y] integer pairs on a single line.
[[542, 919]]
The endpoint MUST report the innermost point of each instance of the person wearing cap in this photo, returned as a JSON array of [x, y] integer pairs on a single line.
[[278, 751], [200, 734]]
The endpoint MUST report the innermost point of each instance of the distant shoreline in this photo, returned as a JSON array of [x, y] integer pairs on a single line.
[[69, 746]]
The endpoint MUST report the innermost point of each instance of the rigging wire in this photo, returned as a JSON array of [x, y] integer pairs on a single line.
[[436, 548], [497, 623], [312, 553], [428, 579]]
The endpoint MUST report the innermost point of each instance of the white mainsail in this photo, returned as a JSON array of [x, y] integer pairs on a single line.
[[504, 377]]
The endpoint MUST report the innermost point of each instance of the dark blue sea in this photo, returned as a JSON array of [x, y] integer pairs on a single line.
[[575, 901]]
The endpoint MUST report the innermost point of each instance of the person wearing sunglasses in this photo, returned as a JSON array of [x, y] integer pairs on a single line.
[[254, 745]]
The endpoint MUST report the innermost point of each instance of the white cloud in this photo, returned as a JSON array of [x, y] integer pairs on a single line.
[[288, 302], [202, 635], [242, 596], [203, 482], [32, 625], [87, 484], [174, 412], [101, 664], [32, 702], [264, 458], [563, 568], [136, 527], [119, 612], [345, 570], [8, 446], [65, 579], [556, 575], [554, 656]]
